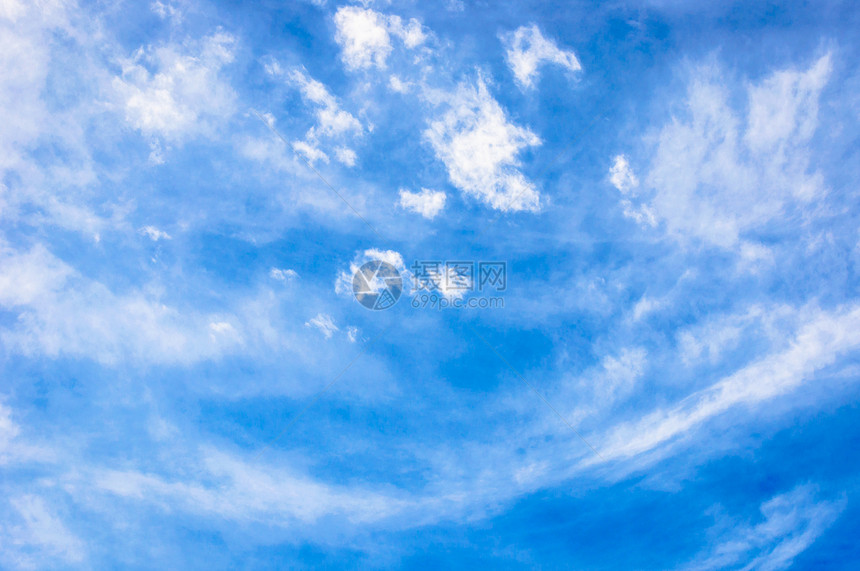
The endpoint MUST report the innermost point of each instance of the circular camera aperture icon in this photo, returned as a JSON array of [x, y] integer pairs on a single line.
[[377, 285]]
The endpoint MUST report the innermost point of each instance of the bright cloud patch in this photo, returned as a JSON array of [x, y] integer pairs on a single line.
[[526, 49], [412, 34], [282, 275], [622, 177], [154, 233], [352, 333], [324, 323], [333, 124], [791, 522], [171, 90], [717, 175], [428, 203], [480, 149], [365, 36]]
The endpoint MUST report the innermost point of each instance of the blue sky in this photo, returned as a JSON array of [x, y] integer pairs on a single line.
[[673, 189]]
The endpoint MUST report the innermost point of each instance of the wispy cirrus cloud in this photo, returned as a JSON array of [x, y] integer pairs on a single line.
[[791, 522], [718, 175], [40, 537], [820, 338]]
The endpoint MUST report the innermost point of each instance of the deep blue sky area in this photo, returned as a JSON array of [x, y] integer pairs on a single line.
[[199, 371]]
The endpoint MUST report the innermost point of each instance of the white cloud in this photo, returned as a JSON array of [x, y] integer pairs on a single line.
[[754, 257], [714, 180], [398, 85], [252, 493], [310, 152], [352, 333], [8, 431], [527, 49], [815, 344], [708, 341], [645, 306], [324, 323], [167, 11], [172, 91], [331, 119], [479, 147], [621, 175], [226, 487], [41, 537], [346, 156], [13, 449], [389, 256], [60, 312], [283, 275], [792, 522], [30, 276], [623, 178], [278, 159], [411, 33], [597, 390], [642, 214], [24, 61], [12, 10], [154, 233], [222, 329], [619, 374], [156, 152], [428, 203], [55, 187], [333, 124], [784, 108], [365, 36]]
